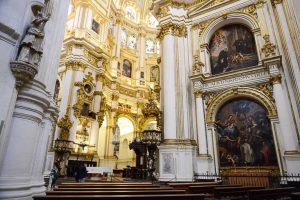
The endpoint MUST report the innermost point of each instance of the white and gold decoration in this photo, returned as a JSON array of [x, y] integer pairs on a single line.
[[219, 78]]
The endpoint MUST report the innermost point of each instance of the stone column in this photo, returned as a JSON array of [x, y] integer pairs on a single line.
[[291, 55], [284, 114], [28, 137], [41, 154], [169, 90], [79, 75], [118, 36], [97, 102], [65, 97], [142, 49], [201, 127]]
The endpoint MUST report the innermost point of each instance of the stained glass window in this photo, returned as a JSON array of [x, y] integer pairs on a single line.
[[132, 41], [95, 26], [152, 21], [130, 13], [149, 46]]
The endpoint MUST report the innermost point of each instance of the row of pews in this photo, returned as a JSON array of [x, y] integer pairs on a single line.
[[174, 191]]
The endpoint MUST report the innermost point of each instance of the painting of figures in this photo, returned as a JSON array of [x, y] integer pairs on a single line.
[[232, 47], [126, 68], [245, 135]]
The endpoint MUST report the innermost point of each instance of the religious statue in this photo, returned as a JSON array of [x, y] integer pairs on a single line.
[[31, 46], [154, 76], [197, 66]]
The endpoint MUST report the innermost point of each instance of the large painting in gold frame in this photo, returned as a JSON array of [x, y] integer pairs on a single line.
[[232, 47], [245, 135]]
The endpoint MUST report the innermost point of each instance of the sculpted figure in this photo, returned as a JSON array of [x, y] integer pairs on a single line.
[[197, 66], [31, 46]]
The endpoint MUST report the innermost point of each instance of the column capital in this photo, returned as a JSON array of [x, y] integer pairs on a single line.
[[275, 2], [100, 77], [115, 97], [198, 93], [75, 66], [178, 30], [275, 79], [259, 3]]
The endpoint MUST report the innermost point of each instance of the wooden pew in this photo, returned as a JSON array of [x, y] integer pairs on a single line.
[[295, 195], [206, 189], [104, 186], [276, 193], [184, 186], [111, 189], [233, 192], [124, 192], [123, 197], [107, 183]]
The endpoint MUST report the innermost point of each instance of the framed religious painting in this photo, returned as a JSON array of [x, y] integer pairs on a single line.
[[232, 48], [245, 135]]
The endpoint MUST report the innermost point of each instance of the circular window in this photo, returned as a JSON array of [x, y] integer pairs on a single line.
[[88, 88]]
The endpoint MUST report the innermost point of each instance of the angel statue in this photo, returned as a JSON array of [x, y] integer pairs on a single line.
[[31, 45]]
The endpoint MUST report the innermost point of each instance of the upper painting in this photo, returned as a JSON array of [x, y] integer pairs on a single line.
[[232, 47]]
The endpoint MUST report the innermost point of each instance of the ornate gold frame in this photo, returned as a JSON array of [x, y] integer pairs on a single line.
[[232, 93]]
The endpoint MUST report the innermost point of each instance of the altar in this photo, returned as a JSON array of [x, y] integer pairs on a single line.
[[99, 173], [99, 170]]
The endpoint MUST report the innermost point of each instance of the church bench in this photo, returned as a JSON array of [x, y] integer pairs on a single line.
[[124, 192], [268, 194], [105, 186], [186, 185], [107, 183], [111, 189], [206, 189], [295, 195], [236, 192], [123, 197]]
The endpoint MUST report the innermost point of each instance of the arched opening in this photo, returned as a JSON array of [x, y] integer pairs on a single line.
[[101, 148], [124, 156], [245, 135], [232, 47]]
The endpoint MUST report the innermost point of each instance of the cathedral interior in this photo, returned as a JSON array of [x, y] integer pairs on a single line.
[[162, 90]]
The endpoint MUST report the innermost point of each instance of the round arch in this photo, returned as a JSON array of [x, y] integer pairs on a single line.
[[131, 118], [239, 92], [232, 18]]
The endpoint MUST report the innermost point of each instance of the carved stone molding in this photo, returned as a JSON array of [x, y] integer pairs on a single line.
[[198, 93], [23, 72], [237, 92], [65, 124], [172, 29], [197, 66], [274, 2], [268, 49], [275, 80]]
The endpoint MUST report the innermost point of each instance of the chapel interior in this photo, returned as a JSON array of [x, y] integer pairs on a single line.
[[181, 99]]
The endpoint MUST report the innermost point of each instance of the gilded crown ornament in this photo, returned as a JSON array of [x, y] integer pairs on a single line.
[[65, 124]]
